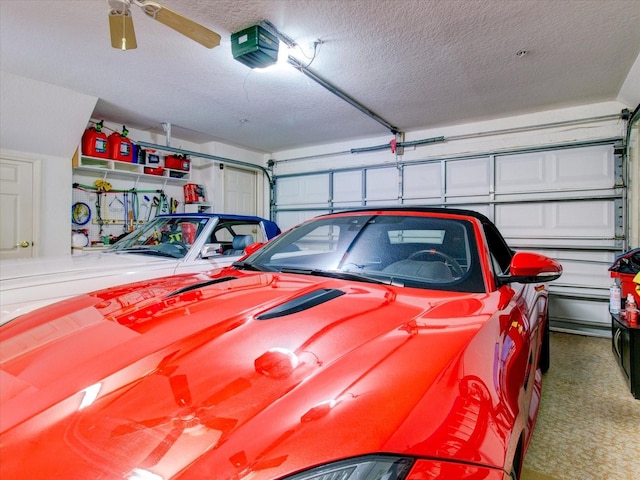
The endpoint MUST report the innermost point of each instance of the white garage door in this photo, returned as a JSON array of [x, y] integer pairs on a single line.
[[566, 203]]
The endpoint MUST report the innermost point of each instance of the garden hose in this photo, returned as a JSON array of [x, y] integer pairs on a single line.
[[80, 213]]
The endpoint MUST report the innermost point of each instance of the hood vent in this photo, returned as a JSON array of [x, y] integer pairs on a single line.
[[196, 286], [301, 303]]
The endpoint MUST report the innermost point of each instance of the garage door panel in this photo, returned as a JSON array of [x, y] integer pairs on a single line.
[[422, 181], [521, 197], [382, 184], [589, 219], [584, 268], [459, 202], [304, 190], [570, 313], [584, 168], [382, 203], [485, 209], [343, 205], [347, 187], [570, 169], [435, 202], [468, 177], [286, 220]]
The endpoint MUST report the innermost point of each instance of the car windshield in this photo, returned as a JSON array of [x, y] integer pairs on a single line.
[[163, 236], [409, 250]]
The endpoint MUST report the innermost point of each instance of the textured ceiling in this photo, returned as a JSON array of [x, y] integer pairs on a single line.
[[415, 63]]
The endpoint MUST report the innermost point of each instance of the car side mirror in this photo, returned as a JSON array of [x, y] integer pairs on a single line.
[[211, 250], [528, 267]]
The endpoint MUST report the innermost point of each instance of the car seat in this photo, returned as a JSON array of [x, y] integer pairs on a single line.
[[239, 243]]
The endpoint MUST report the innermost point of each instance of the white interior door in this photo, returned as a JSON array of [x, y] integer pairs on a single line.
[[240, 187], [17, 195]]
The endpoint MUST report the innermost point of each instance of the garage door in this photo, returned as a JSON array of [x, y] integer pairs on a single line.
[[566, 202]]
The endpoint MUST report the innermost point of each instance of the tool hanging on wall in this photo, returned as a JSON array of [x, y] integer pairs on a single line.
[[147, 209], [164, 204], [125, 220], [155, 205], [135, 209], [101, 186], [99, 220], [80, 213]]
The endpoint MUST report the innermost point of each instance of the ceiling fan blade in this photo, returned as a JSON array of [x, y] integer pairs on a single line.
[[181, 24], [223, 425], [132, 427], [163, 447], [123, 36]]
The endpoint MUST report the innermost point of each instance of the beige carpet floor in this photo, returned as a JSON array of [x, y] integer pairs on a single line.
[[589, 423]]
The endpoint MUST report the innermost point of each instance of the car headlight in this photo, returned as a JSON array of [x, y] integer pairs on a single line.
[[370, 467]]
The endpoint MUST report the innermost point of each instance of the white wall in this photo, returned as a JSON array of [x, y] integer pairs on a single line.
[[39, 121]]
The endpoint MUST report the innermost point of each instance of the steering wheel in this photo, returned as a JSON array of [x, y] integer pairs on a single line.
[[449, 261]]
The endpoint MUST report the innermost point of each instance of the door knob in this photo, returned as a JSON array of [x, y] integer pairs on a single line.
[[24, 244]]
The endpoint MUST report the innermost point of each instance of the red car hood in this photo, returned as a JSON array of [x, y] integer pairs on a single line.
[[259, 375]]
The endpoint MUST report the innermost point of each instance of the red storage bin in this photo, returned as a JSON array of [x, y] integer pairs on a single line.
[[194, 193], [94, 142], [627, 285], [120, 147], [625, 268], [154, 170], [176, 162]]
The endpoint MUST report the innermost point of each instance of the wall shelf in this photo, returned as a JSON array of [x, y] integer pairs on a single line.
[[197, 208], [109, 168]]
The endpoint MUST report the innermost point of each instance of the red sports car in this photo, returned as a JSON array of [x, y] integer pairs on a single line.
[[394, 344]]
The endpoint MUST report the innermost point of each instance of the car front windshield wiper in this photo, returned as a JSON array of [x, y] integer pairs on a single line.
[[145, 251], [256, 267], [358, 277]]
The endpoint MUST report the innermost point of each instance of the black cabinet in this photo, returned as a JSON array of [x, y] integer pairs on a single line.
[[625, 343]]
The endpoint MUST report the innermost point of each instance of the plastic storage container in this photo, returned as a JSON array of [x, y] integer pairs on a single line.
[[120, 147], [154, 170], [95, 142], [177, 162], [625, 268], [194, 193]]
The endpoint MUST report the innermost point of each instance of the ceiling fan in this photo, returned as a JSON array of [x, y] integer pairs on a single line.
[[123, 35]]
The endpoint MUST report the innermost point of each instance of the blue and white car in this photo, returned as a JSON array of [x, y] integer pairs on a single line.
[[168, 245]]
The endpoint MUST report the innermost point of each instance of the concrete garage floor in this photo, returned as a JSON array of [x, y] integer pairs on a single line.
[[589, 423]]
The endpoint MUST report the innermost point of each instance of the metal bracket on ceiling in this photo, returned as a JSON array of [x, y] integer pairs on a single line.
[[167, 131]]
